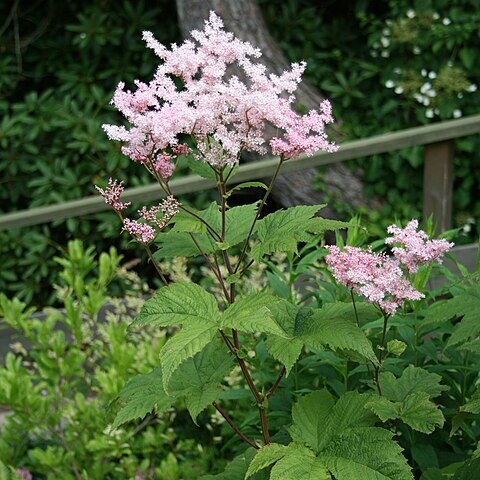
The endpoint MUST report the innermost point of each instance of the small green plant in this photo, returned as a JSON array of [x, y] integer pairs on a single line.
[[67, 366]]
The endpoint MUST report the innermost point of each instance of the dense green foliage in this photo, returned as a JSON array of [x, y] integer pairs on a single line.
[[388, 66], [66, 368], [56, 82]]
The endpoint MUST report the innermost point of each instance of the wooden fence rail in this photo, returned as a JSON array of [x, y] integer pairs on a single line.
[[439, 147]]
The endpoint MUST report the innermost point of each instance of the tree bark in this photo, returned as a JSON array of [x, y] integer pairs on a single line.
[[244, 19]]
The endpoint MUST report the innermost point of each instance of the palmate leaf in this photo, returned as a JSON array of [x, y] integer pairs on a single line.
[[416, 410], [408, 398], [332, 326], [178, 304], [251, 314], [198, 379], [413, 379], [178, 242], [465, 306], [336, 439], [191, 340], [281, 231], [141, 395], [237, 469], [473, 405]]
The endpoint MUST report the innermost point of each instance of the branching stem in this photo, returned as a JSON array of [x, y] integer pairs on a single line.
[[259, 212], [234, 427]]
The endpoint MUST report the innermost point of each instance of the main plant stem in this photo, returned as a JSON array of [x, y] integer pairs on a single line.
[[259, 212], [382, 353]]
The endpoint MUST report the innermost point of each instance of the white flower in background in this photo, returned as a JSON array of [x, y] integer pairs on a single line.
[[411, 13], [472, 88], [423, 72], [385, 54], [397, 71], [416, 50], [460, 95], [386, 32], [436, 16], [432, 75], [431, 93], [446, 21], [385, 42], [398, 90], [425, 87], [429, 113], [457, 113], [389, 83]]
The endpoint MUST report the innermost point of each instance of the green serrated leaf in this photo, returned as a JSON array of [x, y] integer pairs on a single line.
[[413, 379], [473, 405], [251, 314], [141, 395], [178, 304], [186, 222], [191, 340], [265, 457], [201, 168], [334, 326], [282, 230], [416, 410], [299, 463], [198, 379], [466, 306], [180, 244], [286, 349], [236, 469], [396, 347], [343, 437]]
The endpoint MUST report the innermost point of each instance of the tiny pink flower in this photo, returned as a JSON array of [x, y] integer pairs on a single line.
[[193, 93], [23, 473], [112, 195], [164, 166], [414, 248], [142, 232], [374, 276]]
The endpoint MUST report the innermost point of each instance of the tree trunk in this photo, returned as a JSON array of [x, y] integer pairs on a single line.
[[244, 19]]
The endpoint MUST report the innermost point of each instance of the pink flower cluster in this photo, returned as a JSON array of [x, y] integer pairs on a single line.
[[222, 113], [415, 248], [112, 194], [380, 278], [145, 232]]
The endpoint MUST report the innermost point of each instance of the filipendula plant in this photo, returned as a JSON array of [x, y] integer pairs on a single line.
[[196, 106]]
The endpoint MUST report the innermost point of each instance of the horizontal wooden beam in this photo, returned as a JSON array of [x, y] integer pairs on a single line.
[[355, 149]]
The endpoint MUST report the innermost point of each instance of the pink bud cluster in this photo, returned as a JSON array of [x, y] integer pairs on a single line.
[[112, 194], [380, 278], [145, 232], [222, 113]]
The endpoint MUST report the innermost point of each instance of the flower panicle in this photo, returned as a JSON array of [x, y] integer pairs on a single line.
[[112, 194], [223, 114], [382, 279]]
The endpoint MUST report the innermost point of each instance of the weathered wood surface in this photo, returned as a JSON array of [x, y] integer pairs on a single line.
[[438, 183], [355, 149]]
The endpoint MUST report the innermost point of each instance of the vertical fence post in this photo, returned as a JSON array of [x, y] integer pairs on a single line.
[[438, 183]]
